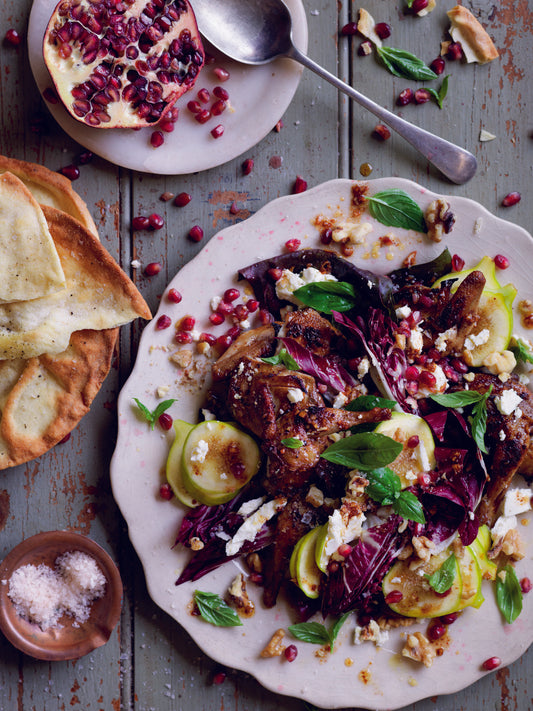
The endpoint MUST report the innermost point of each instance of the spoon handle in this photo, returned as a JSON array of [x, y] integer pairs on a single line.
[[457, 164]]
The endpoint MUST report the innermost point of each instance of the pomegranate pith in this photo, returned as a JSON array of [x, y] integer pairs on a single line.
[[122, 64]]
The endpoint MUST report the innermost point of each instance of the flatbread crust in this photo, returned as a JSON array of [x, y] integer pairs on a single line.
[[476, 43], [42, 399], [50, 188]]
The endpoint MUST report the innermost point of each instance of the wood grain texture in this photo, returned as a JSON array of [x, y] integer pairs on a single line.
[[149, 662]]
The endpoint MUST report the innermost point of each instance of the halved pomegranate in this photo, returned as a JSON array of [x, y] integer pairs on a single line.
[[122, 63]]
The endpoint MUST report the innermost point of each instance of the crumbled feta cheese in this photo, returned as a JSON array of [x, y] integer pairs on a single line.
[[353, 232], [253, 524], [516, 501], [289, 282], [441, 383], [340, 400], [403, 311], [416, 340], [507, 402], [523, 379], [396, 580], [215, 301], [248, 507], [295, 395], [162, 390], [363, 368], [370, 633], [502, 526], [443, 338], [135, 263], [478, 224], [341, 530], [477, 339], [424, 458], [502, 435], [208, 415], [199, 453], [195, 334]]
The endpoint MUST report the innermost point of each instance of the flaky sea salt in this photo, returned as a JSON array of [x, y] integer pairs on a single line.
[[43, 595]]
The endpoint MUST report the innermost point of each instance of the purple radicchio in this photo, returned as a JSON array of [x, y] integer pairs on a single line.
[[324, 369]]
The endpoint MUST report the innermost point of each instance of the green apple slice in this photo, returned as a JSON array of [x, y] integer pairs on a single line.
[[174, 470], [306, 572], [496, 317], [218, 459], [471, 577], [480, 547], [486, 265], [412, 460]]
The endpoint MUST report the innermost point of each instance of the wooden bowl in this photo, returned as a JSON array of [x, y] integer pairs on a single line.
[[71, 640]]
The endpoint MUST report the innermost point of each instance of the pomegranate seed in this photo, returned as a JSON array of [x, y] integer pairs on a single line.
[[449, 619], [203, 95], [383, 30], [279, 125], [182, 199], [422, 96], [163, 322], [457, 263], [174, 296], [165, 420], [196, 233], [219, 677], [165, 491], [437, 65], [224, 342], [221, 73], [424, 479], [491, 663], [13, 38], [225, 308], [455, 51], [275, 273], [156, 221], [292, 245], [326, 236], [412, 387], [265, 317], [412, 373], [152, 269], [405, 97], [419, 5], [381, 132], [194, 107], [300, 185], [344, 550], [166, 196], [233, 332], [435, 632], [526, 585], [231, 294], [187, 323], [65, 438], [217, 131], [71, 172], [393, 597], [459, 366], [167, 126], [203, 116], [233, 209], [252, 305], [413, 441], [207, 338], [349, 29], [157, 139], [290, 652], [241, 312], [84, 158], [140, 223], [218, 107], [183, 337], [50, 95], [216, 319], [511, 199], [221, 93], [365, 48], [247, 166], [501, 262]]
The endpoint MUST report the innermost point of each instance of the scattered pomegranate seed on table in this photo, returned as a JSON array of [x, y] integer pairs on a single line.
[[218, 131], [182, 199], [231, 294], [183, 337], [203, 116], [349, 29], [207, 338], [457, 263], [167, 126], [221, 73], [84, 157], [526, 585], [438, 65], [203, 95], [234, 209], [300, 185], [405, 97], [157, 139], [163, 322], [491, 663], [290, 652], [174, 296], [216, 318], [435, 632], [501, 262], [326, 237], [140, 223], [224, 342], [292, 245], [279, 125], [241, 312], [221, 93], [225, 308], [64, 439], [187, 323], [13, 38], [153, 268], [155, 221], [219, 677], [247, 166], [165, 491], [511, 199], [196, 233], [166, 196], [218, 107], [455, 51], [194, 106], [449, 619], [252, 305], [422, 96], [418, 6], [72, 172], [381, 132], [383, 30], [165, 420]]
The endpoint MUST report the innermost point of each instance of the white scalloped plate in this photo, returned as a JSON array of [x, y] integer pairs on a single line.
[[137, 468], [259, 97]]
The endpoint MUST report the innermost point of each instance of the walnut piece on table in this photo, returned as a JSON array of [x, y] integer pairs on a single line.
[[419, 649], [275, 647], [439, 219]]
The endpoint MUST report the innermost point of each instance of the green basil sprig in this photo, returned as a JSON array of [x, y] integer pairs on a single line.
[[152, 416], [292, 443], [364, 403], [214, 610], [363, 450], [316, 633], [521, 350], [282, 358], [440, 94], [404, 64], [508, 593], [395, 208], [442, 579], [327, 296], [385, 487], [478, 419]]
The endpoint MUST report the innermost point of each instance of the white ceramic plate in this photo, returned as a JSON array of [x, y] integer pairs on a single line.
[[259, 97], [137, 468]]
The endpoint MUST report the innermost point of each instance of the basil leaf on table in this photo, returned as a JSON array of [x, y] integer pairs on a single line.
[[521, 350], [508, 593], [395, 208], [327, 296], [439, 95], [292, 443], [364, 403], [404, 64], [316, 633], [151, 417], [363, 450], [282, 358], [214, 610], [442, 579]]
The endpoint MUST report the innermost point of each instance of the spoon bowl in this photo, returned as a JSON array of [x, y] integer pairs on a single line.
[[260, 31]]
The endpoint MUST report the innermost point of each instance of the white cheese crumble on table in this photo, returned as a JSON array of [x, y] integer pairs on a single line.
[[370, 633], [199, 453], [516, 501], [252, 525], [502, 526], [507, 402]]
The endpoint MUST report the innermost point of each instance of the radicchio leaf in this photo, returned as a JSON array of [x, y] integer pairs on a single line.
[[326, 370], [426, 273], [437, 422]]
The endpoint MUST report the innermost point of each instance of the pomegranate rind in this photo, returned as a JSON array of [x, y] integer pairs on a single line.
[[122, 64]]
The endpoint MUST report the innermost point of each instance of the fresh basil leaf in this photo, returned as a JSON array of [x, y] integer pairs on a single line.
[[395, 208], [292, 443], [461, 398], [214, 610], [439, 95], [404, 64], [410, 3], [508, 594], [478, 421], [409, 507], [364, 403], [384, 485], [151, 417], [522, 351], [364, 451], [312, 632], [282, 358], [334, 632], [442, 579], [363, 427], [327, 296]]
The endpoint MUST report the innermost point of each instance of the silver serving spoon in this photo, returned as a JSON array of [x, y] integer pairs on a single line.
[[259, 31]]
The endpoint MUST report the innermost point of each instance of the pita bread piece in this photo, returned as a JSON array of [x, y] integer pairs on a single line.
[[43, 399], [29, 263], [98, 295], [475, 41], [50, 188]]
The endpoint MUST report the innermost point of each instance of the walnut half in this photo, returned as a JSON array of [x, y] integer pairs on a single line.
[[439, 219]]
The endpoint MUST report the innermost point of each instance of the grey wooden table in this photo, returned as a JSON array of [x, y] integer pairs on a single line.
[[149, 662]]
